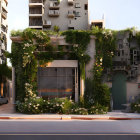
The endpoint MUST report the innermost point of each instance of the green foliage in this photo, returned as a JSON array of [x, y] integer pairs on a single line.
[[60, 106], [105, 46], [135, 107], [97, 92], [80, 41], [25, 56], [98, 109], [138, 37], [56, 29], [5, 72], [16, 33]]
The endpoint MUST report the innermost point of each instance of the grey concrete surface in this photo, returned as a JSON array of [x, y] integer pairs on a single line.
[[69, 127], [7, 108]]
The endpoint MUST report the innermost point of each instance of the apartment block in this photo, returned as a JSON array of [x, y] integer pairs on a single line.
[[3, 29], [66, 14]]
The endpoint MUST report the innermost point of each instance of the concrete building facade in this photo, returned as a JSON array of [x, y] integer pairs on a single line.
[[125, 79], [62, 75], [66, 14], [3, 29]]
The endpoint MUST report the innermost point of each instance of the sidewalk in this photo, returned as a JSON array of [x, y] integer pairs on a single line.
[[108, 116], [7, 112]]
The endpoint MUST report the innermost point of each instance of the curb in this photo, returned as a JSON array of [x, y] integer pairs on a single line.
[[66, 118], [24, 118], [84, 118]]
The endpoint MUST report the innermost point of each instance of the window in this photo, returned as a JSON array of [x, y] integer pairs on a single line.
[[86, 6], [118, 53], [77, 5], [77, 14], [71, 28], [122, 52], [120, 46]]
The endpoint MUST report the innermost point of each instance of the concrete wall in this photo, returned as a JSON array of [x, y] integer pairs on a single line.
[[132, 90], [91, 52], [63, 64], [62, 20]]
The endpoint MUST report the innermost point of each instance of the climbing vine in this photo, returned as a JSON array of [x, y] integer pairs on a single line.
[[80, 41], [105, 50], [27, 56]]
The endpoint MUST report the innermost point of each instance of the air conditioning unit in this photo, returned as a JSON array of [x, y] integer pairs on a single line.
[[47, 24]]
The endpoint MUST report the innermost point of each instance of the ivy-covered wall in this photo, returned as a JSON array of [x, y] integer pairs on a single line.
[[26, 57]]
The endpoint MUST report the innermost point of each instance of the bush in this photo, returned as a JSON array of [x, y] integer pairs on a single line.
[[57, 106], [80, 111], [98, 109], [135, 107]]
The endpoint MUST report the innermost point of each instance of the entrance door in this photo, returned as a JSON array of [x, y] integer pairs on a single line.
[[119, 90]]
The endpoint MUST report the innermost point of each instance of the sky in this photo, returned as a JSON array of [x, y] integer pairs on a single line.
[[119, 14]]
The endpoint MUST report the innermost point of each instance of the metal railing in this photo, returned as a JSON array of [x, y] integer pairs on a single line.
[[35, 1]]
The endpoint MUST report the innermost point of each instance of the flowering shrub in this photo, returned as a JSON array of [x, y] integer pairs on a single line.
[[98, 109], [37, 105], [81, 111], [135, 107]]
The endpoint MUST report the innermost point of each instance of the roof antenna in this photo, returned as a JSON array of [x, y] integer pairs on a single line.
[[103, 17]]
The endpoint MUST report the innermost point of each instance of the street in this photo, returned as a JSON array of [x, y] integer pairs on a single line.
[[69, 127]]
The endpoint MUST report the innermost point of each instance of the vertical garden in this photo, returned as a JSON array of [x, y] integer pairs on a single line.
[[26, 57]]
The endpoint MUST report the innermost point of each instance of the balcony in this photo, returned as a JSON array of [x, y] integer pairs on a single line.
[[53, 13], [35, 23], [54, 6], [4, 5], [6, 1], [119, 68], [47, 24], [120, 65], [70, 2], [71, 14], [4, 28], [35, 10], [4, 15], [35, 15], [35, 3], [4, 22]]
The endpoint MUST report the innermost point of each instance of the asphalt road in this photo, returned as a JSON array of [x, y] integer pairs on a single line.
[[69, 127]]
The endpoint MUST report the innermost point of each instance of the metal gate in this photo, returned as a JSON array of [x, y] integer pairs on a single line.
[[56, 82], [119, 90]]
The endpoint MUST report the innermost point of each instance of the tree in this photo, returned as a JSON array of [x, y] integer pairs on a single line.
[[5, 72]]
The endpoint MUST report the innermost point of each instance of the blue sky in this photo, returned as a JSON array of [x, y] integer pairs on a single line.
[[119, 14]]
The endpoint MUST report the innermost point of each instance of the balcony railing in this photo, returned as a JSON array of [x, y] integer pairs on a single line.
[[35, 1], [35, 11], [70, 2], [4, 28], [4, 15], [35, 22], [53, 13], [71, 14], [54, 6]]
